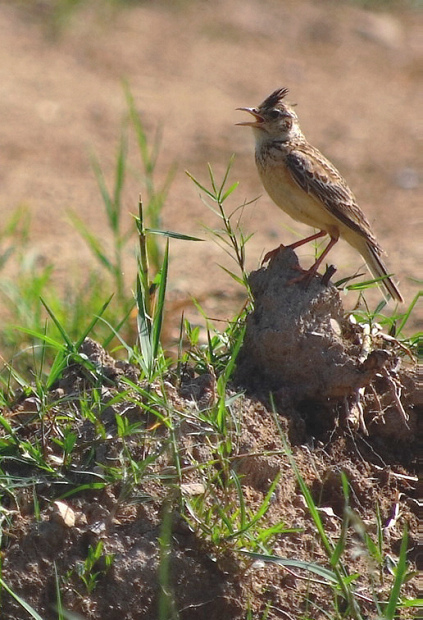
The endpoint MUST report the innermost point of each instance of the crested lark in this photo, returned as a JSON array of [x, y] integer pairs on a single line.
[[302, 182]]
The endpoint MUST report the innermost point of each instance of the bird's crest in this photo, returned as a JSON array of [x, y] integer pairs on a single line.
[[273, 99]]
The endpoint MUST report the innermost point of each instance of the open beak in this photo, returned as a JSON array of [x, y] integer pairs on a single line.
[[258, 118]]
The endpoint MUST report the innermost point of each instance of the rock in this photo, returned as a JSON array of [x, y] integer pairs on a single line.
[[63, 514]]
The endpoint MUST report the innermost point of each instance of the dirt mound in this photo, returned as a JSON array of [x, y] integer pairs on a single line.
[[167, 535]]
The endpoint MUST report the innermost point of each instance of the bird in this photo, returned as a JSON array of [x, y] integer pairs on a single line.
[[308, 187]]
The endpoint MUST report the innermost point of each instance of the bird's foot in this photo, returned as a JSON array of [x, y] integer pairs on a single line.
[[293, 246], [307, 275], [273, 253]]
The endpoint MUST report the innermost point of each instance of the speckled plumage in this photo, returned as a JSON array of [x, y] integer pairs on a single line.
[[306, 185]]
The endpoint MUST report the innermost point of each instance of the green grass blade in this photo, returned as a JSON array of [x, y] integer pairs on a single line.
[[144, 324], [213, 183], [20, 601], [412, 602], [172, 235], [401, 570], [234, 353], [220, 197], [340, 545], [114, 216], [59, 326], [407, 314], [98, 172], [309, 500], [242, 509], [7, 427], [41, 336], [92, 241], [229, 191], [136, 122], [159, 310], [326, 574], [237, 279], [312, 509], [93, 322], [59, 605], [83, 487], [200, 186], [114, 331], [246, 525], [58, 366]]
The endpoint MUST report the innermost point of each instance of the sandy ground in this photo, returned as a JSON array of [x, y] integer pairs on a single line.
[[355, 74]]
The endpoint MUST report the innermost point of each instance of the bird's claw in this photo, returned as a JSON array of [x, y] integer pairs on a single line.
[[273, 253], [307, 275]]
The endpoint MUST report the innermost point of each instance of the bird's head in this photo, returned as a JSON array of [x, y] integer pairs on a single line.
[[273, 119]]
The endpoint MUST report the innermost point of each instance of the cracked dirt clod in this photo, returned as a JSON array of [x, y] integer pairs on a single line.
[[293, 341]]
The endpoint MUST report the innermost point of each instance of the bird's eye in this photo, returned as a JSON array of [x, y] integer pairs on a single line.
[[274, 114]]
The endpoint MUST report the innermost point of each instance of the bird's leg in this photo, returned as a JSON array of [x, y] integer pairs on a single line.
[[301, 242], [270, 255], [313, 269], [307, 275]]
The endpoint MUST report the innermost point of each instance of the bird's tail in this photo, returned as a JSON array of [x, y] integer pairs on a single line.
[[371, 254]]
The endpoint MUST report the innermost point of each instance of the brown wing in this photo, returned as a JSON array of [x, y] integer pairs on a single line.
[[315, 175]]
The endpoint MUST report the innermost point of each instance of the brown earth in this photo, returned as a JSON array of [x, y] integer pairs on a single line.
[[376, 450], [345, 402], [355, 73], [189, 65]]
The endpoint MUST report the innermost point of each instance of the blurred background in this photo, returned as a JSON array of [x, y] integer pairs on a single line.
[[354, 68]]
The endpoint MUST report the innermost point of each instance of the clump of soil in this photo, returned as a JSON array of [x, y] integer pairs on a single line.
[[295, 338], [334, 397], [300, 346]]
